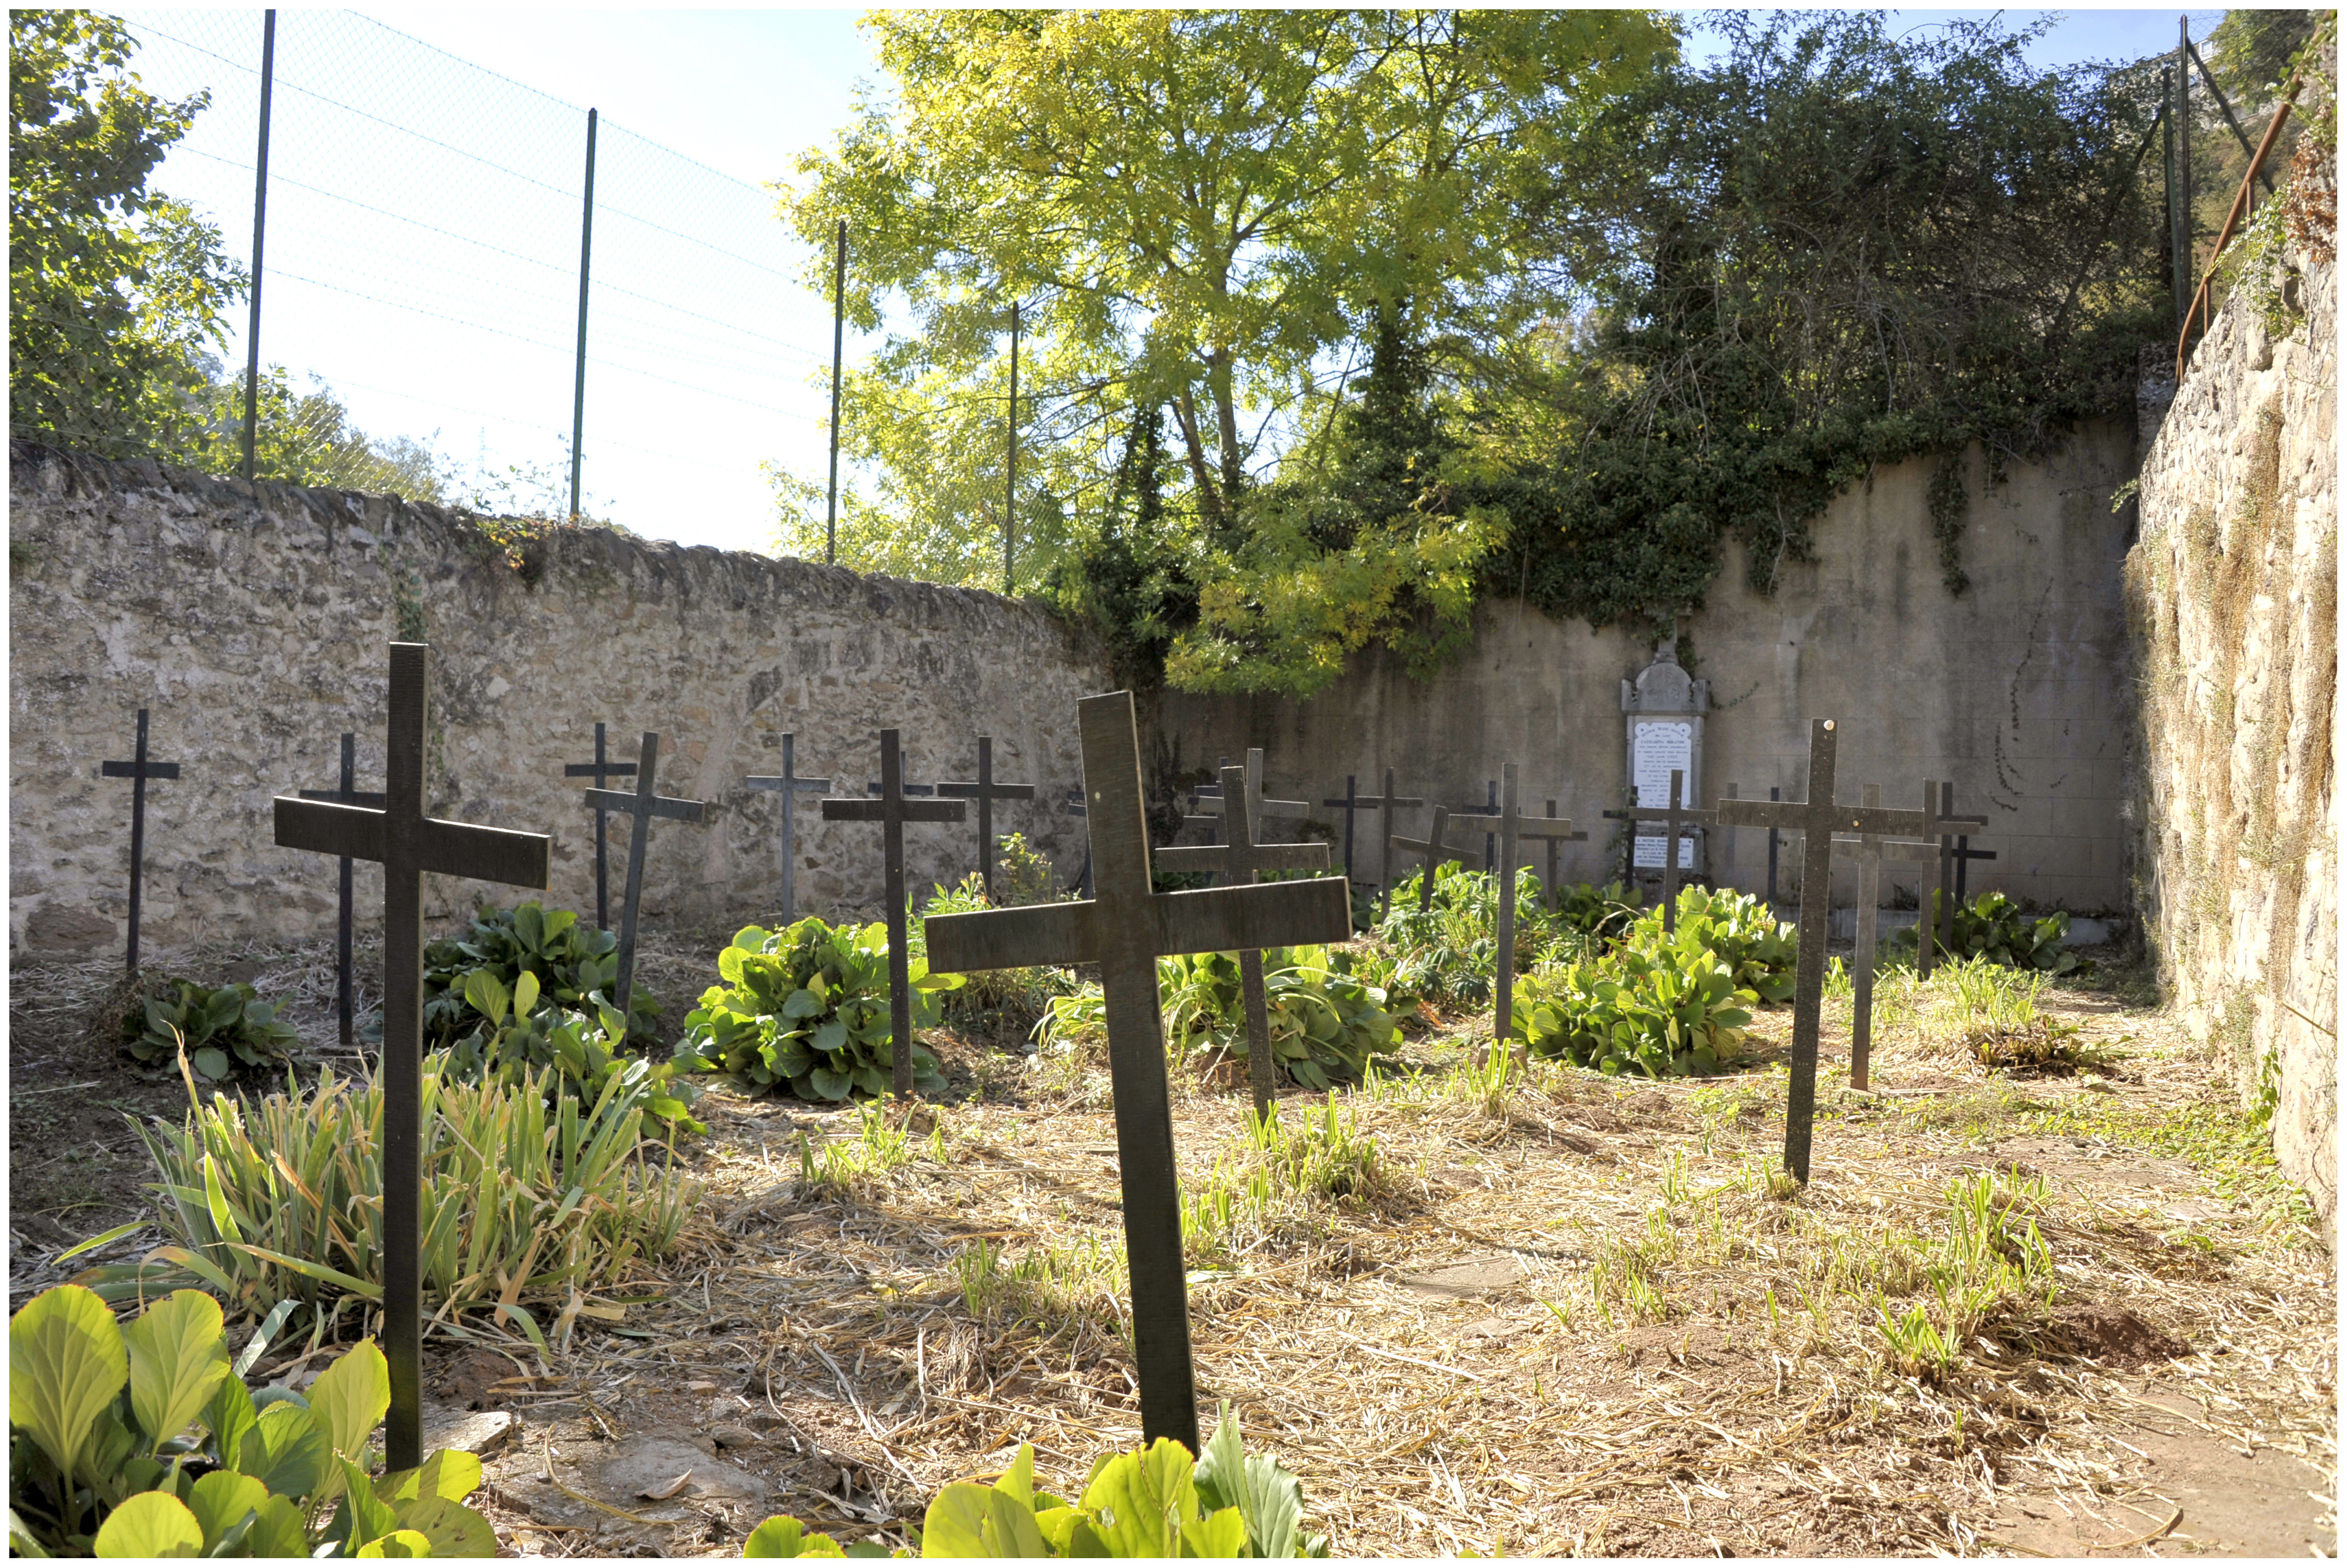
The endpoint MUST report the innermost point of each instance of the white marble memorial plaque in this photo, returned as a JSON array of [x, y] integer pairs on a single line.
[[1659, 746]]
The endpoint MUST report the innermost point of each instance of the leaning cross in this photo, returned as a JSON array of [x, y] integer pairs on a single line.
[[407, 844], [1674, 817], [1241, 855], [1124, 930], [1437, 850], [603, 770], [1386, 805], [985, 792], [789, 783], [1511, 824], [138, 770], [892, 811], [348, 793], [644, 805], [1258, 808]]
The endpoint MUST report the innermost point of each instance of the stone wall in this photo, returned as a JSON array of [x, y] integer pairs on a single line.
[[252, 620], [2016, 690], [2233, 596]]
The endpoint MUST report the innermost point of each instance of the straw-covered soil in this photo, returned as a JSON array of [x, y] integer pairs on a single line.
[[2033, 1310]]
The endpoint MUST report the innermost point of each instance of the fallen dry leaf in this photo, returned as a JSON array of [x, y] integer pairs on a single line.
[[662, 1493]]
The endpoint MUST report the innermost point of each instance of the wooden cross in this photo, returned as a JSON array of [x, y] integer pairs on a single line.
[[1630, 840], [1509, 826], [892, 811], [789, 783], [1437, 849], [642, 804], [1773, 841], [1553, 840], [1076, 808], [1936, 855], [1124, 930], [985, 792], [1490, 806], [407, 844], [1963, 857], [603, 770], [1239, 855], [1869, 849], [1674, 817], [1258, 808], [1349, 800], [137, 770], [1386, 805], [348, 793]]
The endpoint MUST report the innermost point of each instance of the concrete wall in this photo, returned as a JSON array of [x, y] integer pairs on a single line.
[[252, 621], [2016, 691], [2234, 594]]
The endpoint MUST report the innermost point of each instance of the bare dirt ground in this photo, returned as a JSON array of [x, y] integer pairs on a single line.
[[1559, 1314]]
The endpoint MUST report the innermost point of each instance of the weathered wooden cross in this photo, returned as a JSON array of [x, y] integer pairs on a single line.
[[348, 793], [789, 783], [1084, 879], [1385, 805], [1963, 857], [1937, 856], [892, 811], [1349, 801], [137, 770], [1240, 856], [643, 806], [1258, 806], [1869, 849], [407, 844], [985, 792], [1491, 809], [1124, 930], [1553, 840], [1818, 819], [1509, 826], [1437, 849], [1674, 817], [603, 770]]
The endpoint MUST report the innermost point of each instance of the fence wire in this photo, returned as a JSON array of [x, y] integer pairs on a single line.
[[423, 247]]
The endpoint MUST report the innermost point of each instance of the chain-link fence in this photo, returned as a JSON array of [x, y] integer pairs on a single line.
[[423, 256]]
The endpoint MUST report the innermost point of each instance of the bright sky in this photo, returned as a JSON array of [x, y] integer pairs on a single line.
[[423, 242]]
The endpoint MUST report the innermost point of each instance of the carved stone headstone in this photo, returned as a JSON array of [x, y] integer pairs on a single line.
[[1663, 711]]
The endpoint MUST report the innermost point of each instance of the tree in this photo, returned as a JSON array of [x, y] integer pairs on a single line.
[[2250, 52], [115, 291]]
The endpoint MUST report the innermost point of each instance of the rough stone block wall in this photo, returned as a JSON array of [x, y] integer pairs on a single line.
[[2233, 594], [252, 621]]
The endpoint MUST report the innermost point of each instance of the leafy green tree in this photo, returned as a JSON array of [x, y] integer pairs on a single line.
[[2250, 51], [307, 438], [115, 292]]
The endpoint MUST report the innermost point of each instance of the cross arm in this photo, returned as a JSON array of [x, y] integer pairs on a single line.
[[130, 770], [329, 827], [970, 789], [484, 853], [1012, 939], [836, 809], [590, 770], [1527, 826], [373, 797], [776, 781], [1687, 816], [1267, 915], [1909, 849], [1400, 802], [661, 805], [876, 788], [1419, 847], [1258, 858]]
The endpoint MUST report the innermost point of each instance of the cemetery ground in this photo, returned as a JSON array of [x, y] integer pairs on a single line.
[[1531, 1311]]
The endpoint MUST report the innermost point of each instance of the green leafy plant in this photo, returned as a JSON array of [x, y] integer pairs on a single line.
[[807, 1009], [526, 1197], [1017, 997], [1450, 950], [220, 1027], [1022, 875], [1152, 1503], [1667, 1011], [1991, 925], [1325, 1021], [147, 1442], [1600, 912], [576, 966], [519, 1030], [1737, 928]]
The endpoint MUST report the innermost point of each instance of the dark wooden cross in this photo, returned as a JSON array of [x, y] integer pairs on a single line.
[[1349, 801], [1076, 808], [1240, 856], [1258, 806], [1386, 805], [1869, 848], [1491, 809], [1674, 817], [603, 770], [407, 844], [1937, 856], [642, 804], [348, 793], [1773, 841], [1963, 857], [1437, 849], [137, 770], [1553, 840], [1509, 826], [789, 783], [1123, 931], [985, 792], [892, 811]]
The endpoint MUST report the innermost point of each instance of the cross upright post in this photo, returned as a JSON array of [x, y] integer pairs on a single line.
[[1511, 826], [1387, 805], [892, 811], [1084, 879], [1674, 817], [1258, 805], [789, 786], [1630, 844], [1124, 930], [1936, 856], [1964, 855], [1491, 809], [1350, 802], [409, 844], [985, 792], [1818, 819], [603, 770], [1553, 840], [137, 770], [1239, 856], [642, 804], [348, 793], [1870, 849], [1437, 849]]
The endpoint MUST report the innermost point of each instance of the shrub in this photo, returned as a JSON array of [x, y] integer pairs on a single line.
[[575, 965], [1760, 951], [1324, 1020], [1451, 950], [216, 1026], [520, 1030], [1153, 1502], [523, 1197], [807, 1009], [1666, 1011], [1992, 926], [1018, 997], [1603, 913], [1023, 876], [148, 1443]]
